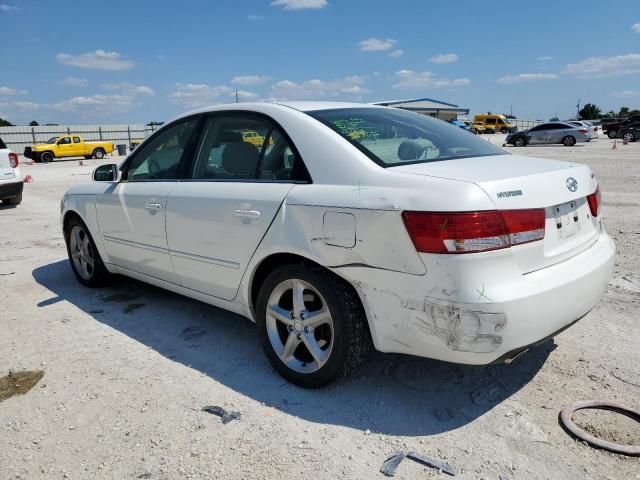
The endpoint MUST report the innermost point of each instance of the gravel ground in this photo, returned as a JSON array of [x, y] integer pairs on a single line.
[[128, 368]]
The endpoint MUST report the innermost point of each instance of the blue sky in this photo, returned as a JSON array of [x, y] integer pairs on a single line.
[[137, 61]]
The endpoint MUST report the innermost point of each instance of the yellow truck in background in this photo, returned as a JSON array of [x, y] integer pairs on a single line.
[[494, 123], [67, 146]]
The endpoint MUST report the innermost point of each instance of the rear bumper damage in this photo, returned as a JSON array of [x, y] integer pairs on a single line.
[[481, 309]]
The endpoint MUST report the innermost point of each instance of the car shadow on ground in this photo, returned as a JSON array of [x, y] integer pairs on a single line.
[[390, 394]]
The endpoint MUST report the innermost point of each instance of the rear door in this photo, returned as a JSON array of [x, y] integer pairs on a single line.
[[131, 215], [216, 220], [77, 147], [6, 172]]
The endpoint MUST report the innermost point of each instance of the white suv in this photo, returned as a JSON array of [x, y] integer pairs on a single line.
[[10, 177]]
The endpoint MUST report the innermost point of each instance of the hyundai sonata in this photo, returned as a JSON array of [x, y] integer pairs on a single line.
[[347, 227]]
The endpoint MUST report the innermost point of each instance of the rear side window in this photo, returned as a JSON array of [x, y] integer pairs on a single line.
[[76, 139], [392, 137], [2, 144], [246, 148]]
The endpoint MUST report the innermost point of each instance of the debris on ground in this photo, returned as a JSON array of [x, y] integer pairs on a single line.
[[222, 413], [390, 465], [18, 383], [190, 333], [566, 421]]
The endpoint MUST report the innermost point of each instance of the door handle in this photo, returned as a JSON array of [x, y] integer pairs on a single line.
[[255, 214], [153, 206]]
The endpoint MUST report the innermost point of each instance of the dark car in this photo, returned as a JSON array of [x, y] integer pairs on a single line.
[[630, 133], [612, 129]]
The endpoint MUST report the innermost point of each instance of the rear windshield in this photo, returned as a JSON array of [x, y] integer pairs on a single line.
[[392, 137], [2, 145]]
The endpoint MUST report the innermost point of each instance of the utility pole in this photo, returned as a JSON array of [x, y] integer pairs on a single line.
[[578, 113], [236, 95]]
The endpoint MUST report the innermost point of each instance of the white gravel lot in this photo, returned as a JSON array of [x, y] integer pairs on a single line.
[[125, 382]]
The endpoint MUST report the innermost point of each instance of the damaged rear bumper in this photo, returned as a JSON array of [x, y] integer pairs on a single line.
[[477, 311]]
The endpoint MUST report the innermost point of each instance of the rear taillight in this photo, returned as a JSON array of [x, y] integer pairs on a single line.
[[13, 160], [583, 130], [595, 202], [468, 232]]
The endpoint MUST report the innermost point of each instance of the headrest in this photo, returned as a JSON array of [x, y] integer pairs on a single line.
[[410, 150], [240, 158]]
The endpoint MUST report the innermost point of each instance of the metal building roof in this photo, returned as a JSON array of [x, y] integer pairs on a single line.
[[423, 104]]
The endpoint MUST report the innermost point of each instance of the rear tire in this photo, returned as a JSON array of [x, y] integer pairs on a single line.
[[311, 353], [84, 258], [569, 141], [17, 200], [612, 133], [98, 153], [46, 157]]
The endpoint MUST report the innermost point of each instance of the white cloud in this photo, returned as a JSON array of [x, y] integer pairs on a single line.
[[545, 58], [627, 93], [636, 27], [99, 104], [254, 18], [349, 87], [18, 107], [246, 80], [194, 95], [408, 79], [98, 60], [8, 8], [444, 58], [597, 67], [129, 88], [397, 53], [73, 82], [6, 91], [374, 44], [245, 95], [526, 77], [300, 4]]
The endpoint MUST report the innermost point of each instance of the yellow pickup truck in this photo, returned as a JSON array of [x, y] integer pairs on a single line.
[[67, 146]]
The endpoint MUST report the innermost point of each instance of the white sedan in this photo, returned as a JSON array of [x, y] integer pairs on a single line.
[[338, 227]]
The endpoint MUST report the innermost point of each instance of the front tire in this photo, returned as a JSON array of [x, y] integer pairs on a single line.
[[46, 157], [84, 258], [87, 157], [629, 137], [569, 141], [98, 153], [520, 142], [504, 130], [311, 324]]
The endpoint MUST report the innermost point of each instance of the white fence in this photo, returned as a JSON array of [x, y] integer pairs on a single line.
[[17, 138]]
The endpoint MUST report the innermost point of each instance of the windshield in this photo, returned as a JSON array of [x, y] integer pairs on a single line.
[[52, 140], [393, 137]]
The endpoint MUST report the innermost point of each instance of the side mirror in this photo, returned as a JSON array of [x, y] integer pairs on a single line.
[[106, 173]]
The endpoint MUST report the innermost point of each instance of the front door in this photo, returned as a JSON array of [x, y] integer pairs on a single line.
[[216, 220], [537, 135], [65, 147], [132, 214]]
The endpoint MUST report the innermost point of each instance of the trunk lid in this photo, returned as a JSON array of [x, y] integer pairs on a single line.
[[517, 182]]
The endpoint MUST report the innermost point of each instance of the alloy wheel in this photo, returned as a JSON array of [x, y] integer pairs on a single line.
[[81, 252], [299, 326]]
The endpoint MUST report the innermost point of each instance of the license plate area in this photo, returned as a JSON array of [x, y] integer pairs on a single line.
[[567, 219]]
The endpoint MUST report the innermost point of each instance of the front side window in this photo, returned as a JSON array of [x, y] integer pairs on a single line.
[[392, 137], [246, 148], [160, 158], [490, 121], [64, 141]]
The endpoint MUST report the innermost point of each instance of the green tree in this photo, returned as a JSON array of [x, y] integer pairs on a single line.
[[33, 123], [634, 112], [554, 119], [624, 112], [5, 123], [590, 111], [154, 124]]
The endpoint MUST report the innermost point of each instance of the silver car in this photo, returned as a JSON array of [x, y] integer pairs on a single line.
[[552, 132]]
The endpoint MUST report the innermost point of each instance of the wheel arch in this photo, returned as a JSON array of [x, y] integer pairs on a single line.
[[83, 208], [269, 262]]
